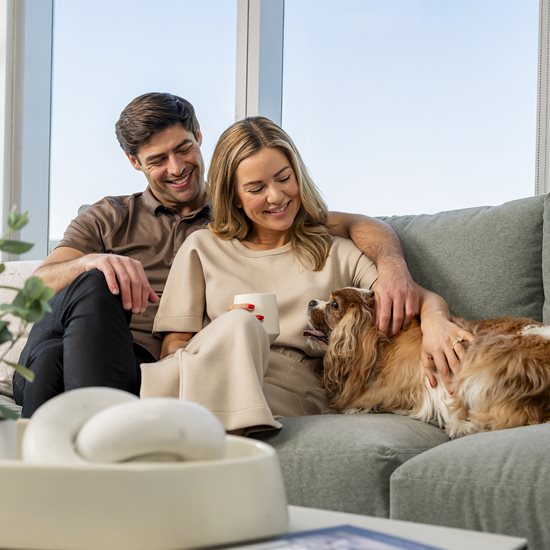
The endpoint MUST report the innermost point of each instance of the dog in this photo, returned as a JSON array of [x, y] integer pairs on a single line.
[[503, 382]]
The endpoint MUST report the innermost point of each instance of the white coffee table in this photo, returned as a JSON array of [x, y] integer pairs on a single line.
[[305, 519], [444, 537]]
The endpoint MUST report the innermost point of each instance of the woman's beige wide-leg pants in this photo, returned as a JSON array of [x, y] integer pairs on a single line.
[[229, 368]]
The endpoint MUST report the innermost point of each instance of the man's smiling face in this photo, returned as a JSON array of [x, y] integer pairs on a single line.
[[173, 165]]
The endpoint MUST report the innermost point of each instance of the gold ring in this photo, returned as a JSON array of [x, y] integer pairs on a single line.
[[456, 341]]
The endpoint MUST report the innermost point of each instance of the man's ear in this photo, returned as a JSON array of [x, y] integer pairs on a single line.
[[199, 135], [134, 161]]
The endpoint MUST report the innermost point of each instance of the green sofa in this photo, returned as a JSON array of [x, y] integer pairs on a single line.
[[486, 261]]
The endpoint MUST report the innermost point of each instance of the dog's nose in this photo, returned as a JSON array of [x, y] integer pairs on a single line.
[[312, 304]]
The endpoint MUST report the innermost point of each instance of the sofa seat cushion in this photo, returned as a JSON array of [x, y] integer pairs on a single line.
[[344, 462], [495, 481], [485, 261]]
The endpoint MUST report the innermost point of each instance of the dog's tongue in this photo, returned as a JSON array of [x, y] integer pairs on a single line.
[[315, 333]]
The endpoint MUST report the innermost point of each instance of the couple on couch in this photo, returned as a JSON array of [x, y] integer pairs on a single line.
[[268, 231]]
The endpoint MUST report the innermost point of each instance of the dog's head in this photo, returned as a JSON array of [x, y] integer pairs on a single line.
[[347, 305], [344, 329]]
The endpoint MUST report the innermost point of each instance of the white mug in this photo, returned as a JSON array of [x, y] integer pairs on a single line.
[[264, 304]]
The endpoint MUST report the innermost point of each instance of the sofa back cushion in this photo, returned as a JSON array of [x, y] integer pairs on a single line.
[[485, 261]]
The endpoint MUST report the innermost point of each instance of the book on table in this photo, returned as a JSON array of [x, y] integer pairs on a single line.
[[341, 537]]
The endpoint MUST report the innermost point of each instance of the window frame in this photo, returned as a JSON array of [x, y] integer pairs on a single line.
[[26, 35], [542, 181], [26, 29]]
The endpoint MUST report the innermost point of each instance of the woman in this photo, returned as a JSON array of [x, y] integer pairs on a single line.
[[268, 234]]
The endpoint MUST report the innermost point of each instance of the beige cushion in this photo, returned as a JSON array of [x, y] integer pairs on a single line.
[[14, 275]]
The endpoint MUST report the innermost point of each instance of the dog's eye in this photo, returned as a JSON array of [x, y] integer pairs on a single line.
[[334, 304]]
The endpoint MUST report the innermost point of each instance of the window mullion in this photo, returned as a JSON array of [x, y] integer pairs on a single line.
[[260, 59]]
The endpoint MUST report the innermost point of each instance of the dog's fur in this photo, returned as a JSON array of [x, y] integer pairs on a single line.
[[503, 382]]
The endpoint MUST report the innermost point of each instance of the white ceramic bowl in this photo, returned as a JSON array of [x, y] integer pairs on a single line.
[[152, 506]]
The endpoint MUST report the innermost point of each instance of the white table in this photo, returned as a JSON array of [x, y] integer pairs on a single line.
[[303, 519]]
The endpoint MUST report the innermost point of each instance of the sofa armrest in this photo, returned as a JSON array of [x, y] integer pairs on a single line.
[[14, 275]]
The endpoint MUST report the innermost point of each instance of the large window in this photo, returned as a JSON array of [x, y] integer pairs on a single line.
[[107, 52], [409, 106], [398, 106]]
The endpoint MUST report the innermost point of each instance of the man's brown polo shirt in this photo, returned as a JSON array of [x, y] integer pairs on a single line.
[[142, 228]]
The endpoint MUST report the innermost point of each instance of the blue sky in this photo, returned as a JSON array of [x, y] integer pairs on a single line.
[[413, 106], [106, 53], [397, 106]]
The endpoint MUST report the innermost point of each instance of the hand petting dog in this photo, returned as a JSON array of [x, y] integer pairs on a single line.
[[443, 348], [503, 380]]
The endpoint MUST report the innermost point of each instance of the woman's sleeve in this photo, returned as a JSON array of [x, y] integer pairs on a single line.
[[182, 304], [365, 272]]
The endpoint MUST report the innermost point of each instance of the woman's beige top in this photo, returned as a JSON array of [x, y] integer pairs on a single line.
[[207, 272]]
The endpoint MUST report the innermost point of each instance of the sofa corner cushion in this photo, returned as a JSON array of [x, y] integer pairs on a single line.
[[344, 462], [495, 481], [14, 275], [485, 261]]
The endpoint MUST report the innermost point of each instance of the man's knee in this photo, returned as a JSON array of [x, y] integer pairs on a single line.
[[91, 280], [91, 288]]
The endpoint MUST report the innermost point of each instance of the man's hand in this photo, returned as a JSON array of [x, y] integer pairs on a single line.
[[124, 276], [397, 296]]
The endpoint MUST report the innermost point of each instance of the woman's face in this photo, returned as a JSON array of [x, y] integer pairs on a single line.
[[267, 191]]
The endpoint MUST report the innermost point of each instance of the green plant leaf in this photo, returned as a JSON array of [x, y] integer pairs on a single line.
[[36, 290], [5, 334], [7, 413], [26, 373], [14, 247], [31, 301], [17, 220]]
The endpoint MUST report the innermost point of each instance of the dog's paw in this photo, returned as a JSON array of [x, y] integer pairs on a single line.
[[355, 411], [459, 428]]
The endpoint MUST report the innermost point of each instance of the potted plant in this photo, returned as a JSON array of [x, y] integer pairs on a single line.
[[29, 304]]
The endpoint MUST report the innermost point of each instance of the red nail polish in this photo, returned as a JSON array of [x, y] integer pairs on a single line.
[[250, 306], [260, 317]]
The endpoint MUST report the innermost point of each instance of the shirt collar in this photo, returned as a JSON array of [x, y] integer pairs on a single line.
[[152, 205]]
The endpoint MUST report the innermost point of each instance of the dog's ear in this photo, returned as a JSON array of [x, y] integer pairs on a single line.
[[351, 355]]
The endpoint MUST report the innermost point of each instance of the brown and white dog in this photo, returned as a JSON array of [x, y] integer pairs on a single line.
[[504, 379]]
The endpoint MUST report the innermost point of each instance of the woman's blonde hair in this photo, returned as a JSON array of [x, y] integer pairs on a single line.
[[309, 236]]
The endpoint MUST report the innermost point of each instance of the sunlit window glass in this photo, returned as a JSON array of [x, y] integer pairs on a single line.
[[409, 106], [108, 52]]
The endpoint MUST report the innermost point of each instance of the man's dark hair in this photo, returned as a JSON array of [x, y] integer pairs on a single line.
[[150, 113]]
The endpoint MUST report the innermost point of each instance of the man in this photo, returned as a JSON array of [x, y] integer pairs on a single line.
[[110, 268]]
